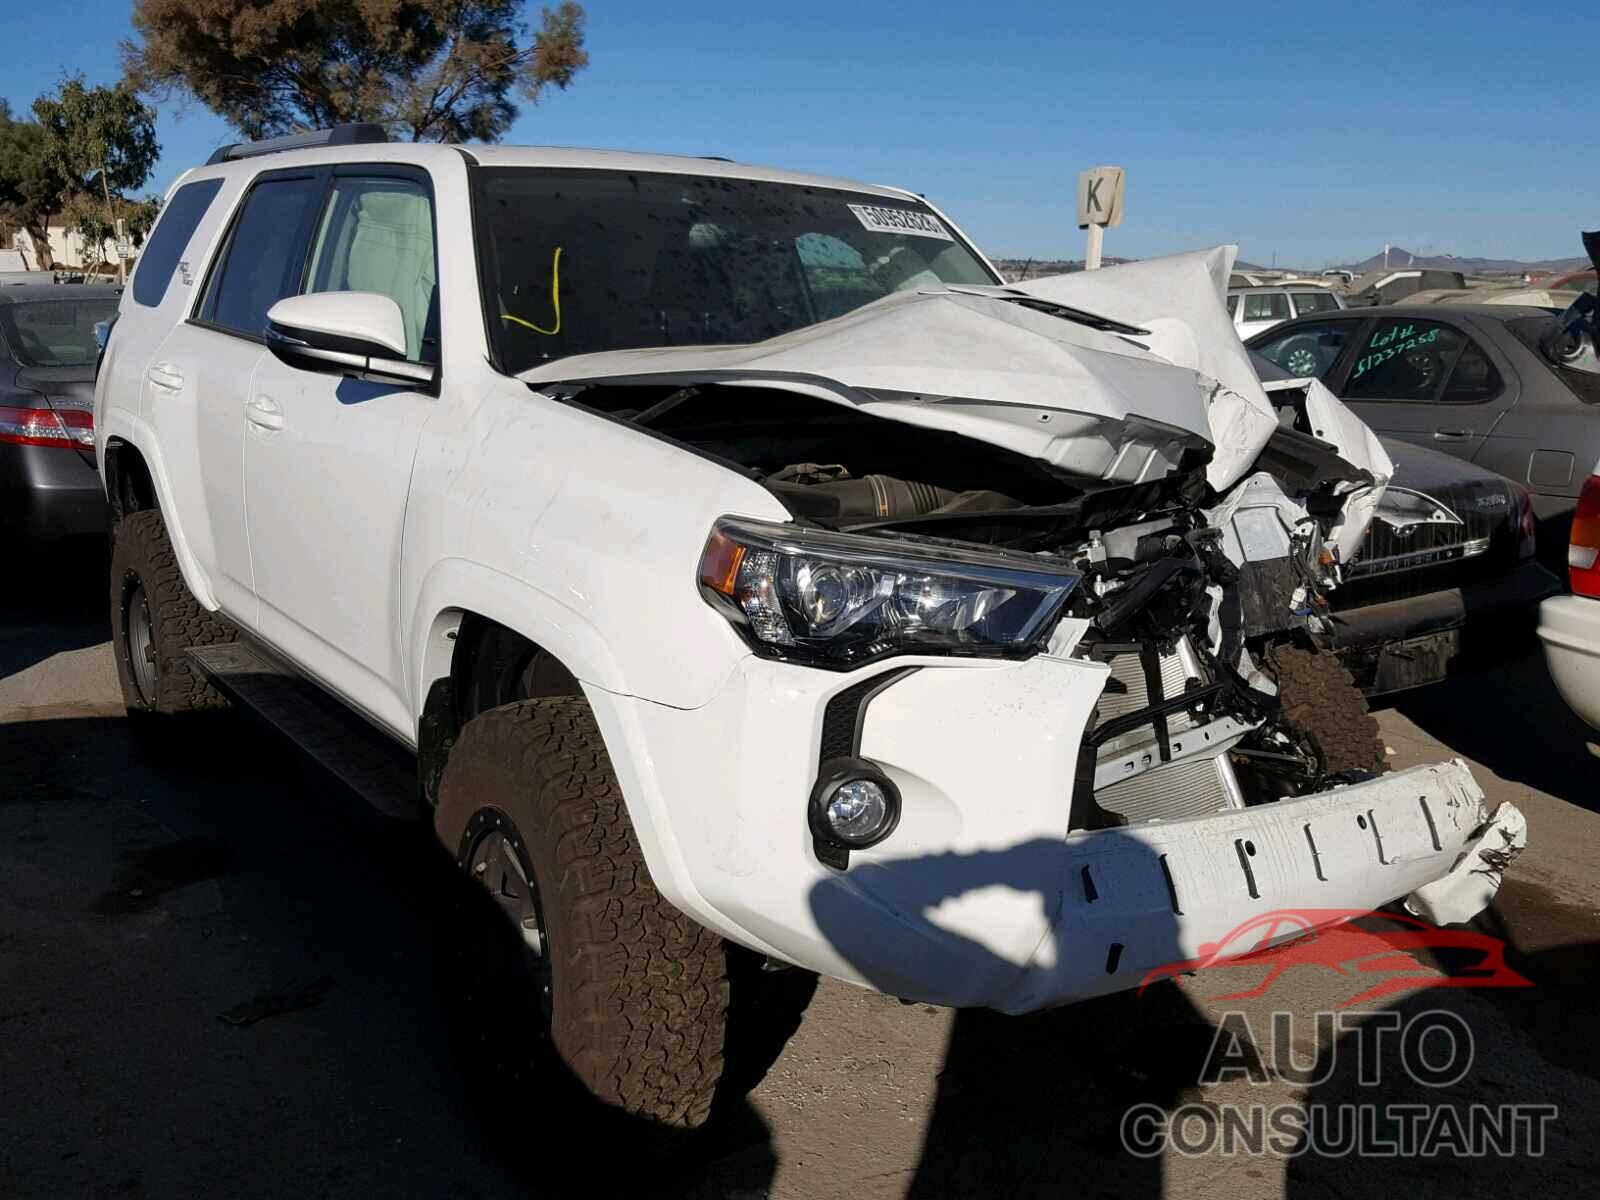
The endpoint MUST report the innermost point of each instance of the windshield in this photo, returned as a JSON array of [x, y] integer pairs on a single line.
[[54, 333], [579, 261]]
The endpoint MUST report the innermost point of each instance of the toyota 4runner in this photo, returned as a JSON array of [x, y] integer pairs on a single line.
[[745, 566]]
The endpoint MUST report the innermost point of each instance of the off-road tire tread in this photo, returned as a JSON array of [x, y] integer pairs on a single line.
[[1319, 697], [639, 990], [178, 621]]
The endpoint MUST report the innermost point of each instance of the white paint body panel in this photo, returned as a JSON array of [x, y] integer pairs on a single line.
[[369, 522], [366, 316], [1569, 627]]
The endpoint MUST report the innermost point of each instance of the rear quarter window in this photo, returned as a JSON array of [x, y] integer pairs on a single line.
[[167, 242]]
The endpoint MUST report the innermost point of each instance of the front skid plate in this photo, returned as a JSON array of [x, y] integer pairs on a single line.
[[1146, 896]]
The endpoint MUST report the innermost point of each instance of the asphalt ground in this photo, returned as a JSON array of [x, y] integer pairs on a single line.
[[221, 975]]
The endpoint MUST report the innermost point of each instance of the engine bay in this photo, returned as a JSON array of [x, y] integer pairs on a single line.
[[1208, 609]]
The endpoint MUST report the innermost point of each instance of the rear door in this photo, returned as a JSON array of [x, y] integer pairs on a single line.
[[199, 380], [1427, 381]]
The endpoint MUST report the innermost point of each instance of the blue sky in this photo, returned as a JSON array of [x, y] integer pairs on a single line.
[[1309, 133]]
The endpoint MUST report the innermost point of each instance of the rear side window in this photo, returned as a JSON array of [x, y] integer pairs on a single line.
[[1314, 302], [1408, 360], [1266, 306], [173, 230], [264, 257]]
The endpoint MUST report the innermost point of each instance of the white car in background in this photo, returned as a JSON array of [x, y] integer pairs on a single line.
[[1569, 626], [1257, 309]]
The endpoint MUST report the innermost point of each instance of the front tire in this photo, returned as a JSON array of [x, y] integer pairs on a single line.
[[634, 993], [154, 621], [1320, 699]]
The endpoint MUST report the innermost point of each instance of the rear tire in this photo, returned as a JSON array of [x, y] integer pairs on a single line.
[[636, 993], [154, 621], [1320, 699]]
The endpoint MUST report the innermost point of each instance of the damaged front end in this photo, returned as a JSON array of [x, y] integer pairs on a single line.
[[1088, 472]]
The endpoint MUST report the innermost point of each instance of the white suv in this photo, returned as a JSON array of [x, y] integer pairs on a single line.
[[746, 567], [1257, 309]]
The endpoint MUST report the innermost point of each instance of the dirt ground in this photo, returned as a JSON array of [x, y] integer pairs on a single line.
[[221, 975]]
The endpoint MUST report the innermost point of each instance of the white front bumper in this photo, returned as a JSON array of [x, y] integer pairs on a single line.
[[981, 897], [1569, 627]]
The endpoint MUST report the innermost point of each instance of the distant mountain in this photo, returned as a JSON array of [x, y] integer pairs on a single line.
[[1015, 270], [1399, 257]]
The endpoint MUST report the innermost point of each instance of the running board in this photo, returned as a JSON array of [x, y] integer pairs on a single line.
[[373, 765]]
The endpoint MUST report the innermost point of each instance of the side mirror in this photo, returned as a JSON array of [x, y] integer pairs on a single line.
[[345, 333]]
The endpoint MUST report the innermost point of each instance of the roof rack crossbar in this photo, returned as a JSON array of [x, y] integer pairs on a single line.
[[339, 135]]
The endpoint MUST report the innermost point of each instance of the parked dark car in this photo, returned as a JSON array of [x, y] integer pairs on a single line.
[[49, 487], [1446, 574], [1467, 379]]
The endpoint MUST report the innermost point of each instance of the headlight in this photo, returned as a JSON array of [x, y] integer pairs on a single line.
[[838, 599]]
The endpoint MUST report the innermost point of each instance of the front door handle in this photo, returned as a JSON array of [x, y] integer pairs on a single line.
[[165, 376], [261, 412], [1452, 435]]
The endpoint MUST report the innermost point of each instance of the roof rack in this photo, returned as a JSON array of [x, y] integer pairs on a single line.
[[339, 135]]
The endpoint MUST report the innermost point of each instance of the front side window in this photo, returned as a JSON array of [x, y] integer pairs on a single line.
[[54, 333], [1310, 350], [1233, 306], [263, 259], [1404, 359], [1266, 306], [376, 235], [176, 225], [582, 261]]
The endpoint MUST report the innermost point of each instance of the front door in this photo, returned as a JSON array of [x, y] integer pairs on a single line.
[[328, 459]]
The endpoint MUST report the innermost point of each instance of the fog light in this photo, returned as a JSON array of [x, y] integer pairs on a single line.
[[853, 805], [857, 811]]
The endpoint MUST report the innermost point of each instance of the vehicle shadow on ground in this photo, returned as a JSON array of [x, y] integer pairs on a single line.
[[244, 961], [1524, 1048], [1034, 1105], [1513, 721], [56, 600]]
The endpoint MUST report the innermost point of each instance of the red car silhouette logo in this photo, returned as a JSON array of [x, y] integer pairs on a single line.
[[1379, 948]]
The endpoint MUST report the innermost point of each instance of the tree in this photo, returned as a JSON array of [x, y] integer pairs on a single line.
[[103, 143], [30, 182], [440, 70]]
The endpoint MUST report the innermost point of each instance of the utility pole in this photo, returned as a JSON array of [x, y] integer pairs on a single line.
[[111, 220]]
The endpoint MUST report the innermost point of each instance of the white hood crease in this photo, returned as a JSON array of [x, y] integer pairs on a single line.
[[1182, 301]]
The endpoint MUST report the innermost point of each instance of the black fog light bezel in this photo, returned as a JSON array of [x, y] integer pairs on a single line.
[[832, 849]]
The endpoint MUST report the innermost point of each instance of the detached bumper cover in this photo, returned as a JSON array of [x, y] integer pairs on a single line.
[[1123, 902], [981, 898]]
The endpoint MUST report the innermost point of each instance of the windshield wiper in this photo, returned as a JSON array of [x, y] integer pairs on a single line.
[[1065, 312]]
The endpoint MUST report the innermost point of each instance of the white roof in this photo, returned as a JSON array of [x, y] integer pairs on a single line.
[[670, 164], [560, 157]]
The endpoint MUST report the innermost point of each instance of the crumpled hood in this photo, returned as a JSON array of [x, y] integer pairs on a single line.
[[981, 362]]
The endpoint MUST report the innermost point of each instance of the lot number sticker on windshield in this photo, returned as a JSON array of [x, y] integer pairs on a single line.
[[880, 219]]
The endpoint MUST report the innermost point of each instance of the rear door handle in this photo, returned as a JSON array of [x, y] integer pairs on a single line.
[[1452, 435], [165, 376], [261, 412]]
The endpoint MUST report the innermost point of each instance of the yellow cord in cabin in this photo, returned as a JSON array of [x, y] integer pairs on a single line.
[[555, 299]]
